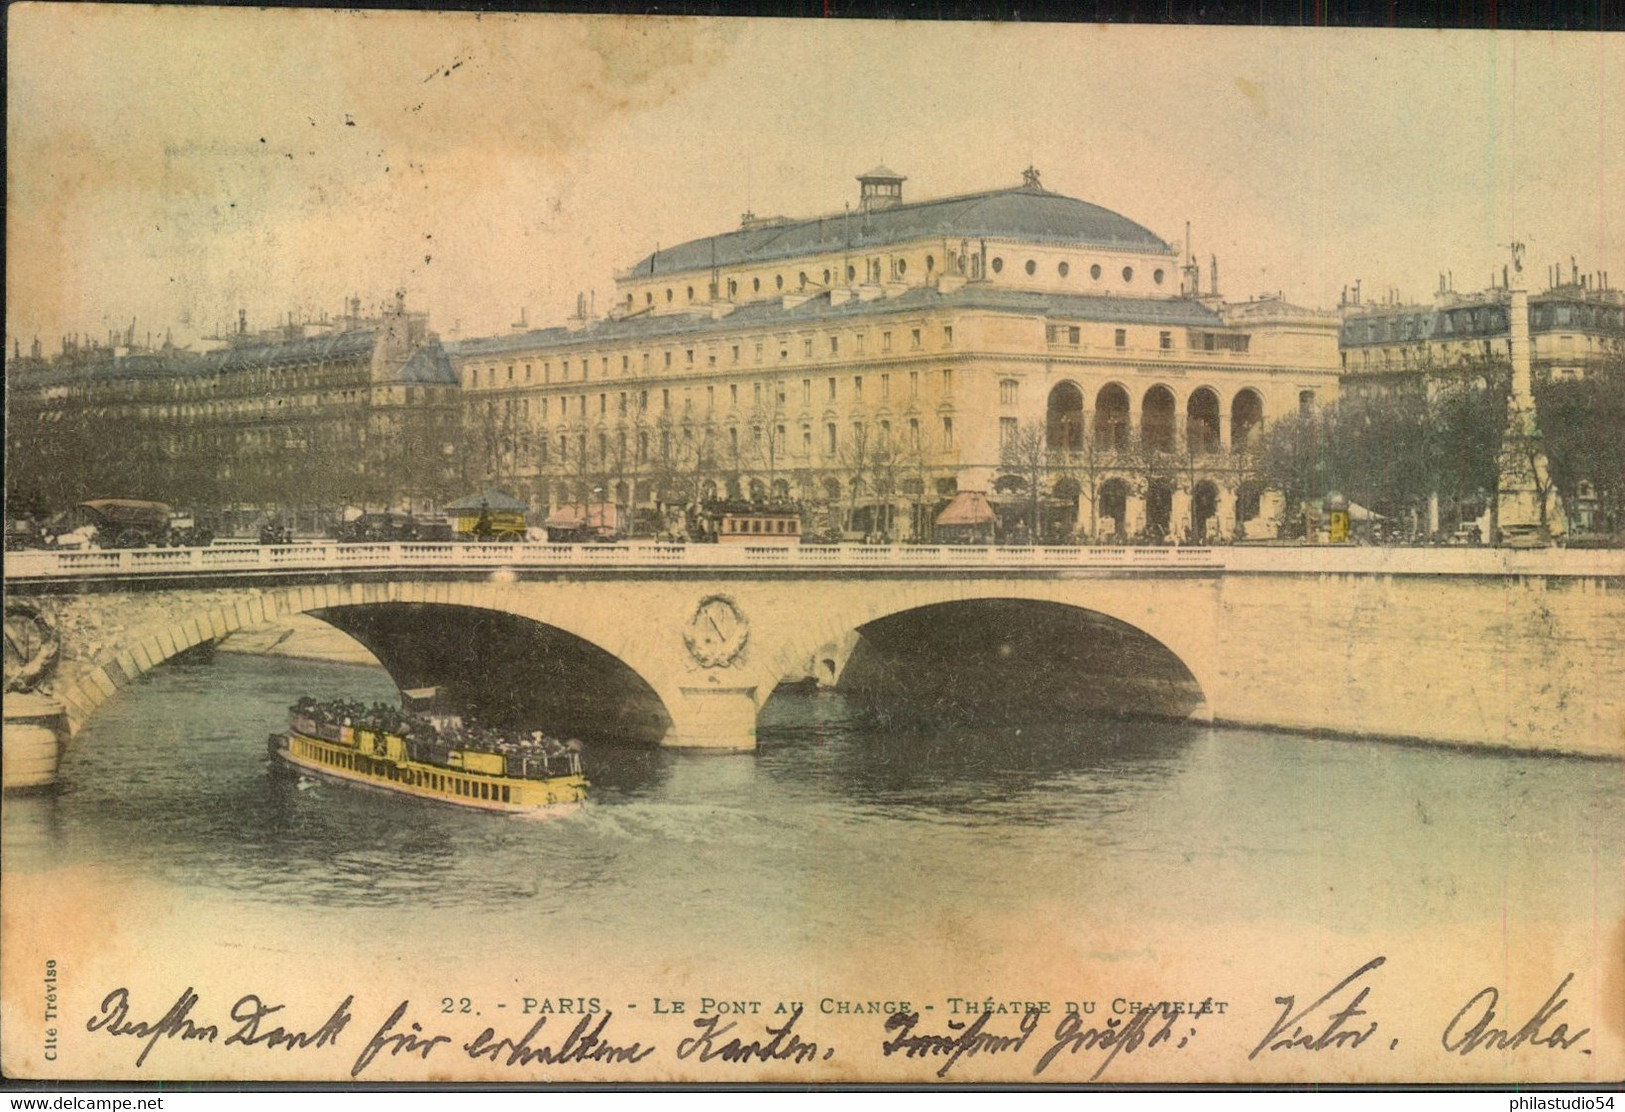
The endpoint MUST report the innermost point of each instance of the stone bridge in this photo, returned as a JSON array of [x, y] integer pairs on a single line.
[[683, 645]]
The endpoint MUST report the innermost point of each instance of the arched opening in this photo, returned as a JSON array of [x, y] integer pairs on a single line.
[[1113, 517], [832, 489], [758, 491], [1159, 507], [508, 671], [1204, 510], [1112, 418], [994, 661], [1157, 419], [781, 490], [1202, 422], [1246, 415], [1063, 419]]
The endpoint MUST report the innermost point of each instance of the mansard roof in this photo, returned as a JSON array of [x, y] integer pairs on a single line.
[[322, 348], [1025, 213], [427, 365], [817, 310]]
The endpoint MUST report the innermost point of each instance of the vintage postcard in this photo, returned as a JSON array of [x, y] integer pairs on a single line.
[[574, 549]]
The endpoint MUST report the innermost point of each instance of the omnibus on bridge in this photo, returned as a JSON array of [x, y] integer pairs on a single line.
[[759, 527]]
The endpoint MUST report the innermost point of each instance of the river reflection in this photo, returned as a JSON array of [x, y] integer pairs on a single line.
[[1010, 774], [834, 832]]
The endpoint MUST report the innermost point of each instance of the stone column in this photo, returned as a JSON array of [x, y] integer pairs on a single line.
[[1179, 515], [1271, 509], [1224, 514], [1134, 513], [1522, 464]]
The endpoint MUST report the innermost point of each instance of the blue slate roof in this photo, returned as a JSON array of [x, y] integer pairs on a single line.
[[310, 349], [773, 313], [1026, 213], [428, 365]]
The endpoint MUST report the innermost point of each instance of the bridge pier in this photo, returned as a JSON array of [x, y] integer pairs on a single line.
[[34, 732], [718, 718]]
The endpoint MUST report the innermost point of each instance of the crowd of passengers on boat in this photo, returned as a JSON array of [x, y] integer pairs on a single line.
[[430, 743]]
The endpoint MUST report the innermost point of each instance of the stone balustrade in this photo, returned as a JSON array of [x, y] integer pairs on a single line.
[[1308, 559]]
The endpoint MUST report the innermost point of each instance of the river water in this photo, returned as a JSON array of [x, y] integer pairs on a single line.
[[833, 834]]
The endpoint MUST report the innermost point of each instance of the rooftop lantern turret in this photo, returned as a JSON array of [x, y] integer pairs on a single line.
[[880, 188]]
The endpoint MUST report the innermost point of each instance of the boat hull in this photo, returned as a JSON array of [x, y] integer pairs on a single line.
[[340, 764]]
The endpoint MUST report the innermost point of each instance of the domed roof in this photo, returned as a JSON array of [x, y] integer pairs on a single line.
[[1027, 213]]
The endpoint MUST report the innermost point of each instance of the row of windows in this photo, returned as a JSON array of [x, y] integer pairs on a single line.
[[895, 269], [1072, 335], [261, 378], [1478, 320], [647, 446], [774, 392], [807, 488], [420, 778], [184, 382], [1064, 269], [518, 373], [898, 270], [257, 400], [778, 526]]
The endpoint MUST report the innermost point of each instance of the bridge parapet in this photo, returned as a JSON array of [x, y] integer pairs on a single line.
[[273, 560], [35, 565]]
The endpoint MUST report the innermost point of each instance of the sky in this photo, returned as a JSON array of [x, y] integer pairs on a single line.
[[172, 165]]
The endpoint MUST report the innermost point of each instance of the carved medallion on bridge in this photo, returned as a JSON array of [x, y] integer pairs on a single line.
[[717, 632], [31, 645]]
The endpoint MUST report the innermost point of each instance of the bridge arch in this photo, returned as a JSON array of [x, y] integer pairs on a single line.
[[1171, 643], [581, 645]]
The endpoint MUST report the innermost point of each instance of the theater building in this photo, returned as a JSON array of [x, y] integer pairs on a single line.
[[875, 361]]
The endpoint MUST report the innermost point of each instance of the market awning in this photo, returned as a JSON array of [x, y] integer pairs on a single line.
[[129, 511], [494, 500], [601, 515], [969, 507]]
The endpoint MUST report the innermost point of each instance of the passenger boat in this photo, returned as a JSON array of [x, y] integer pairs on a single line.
[[430, 756]]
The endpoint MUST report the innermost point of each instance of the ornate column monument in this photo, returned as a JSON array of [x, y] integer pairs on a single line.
[[1524, 496]]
